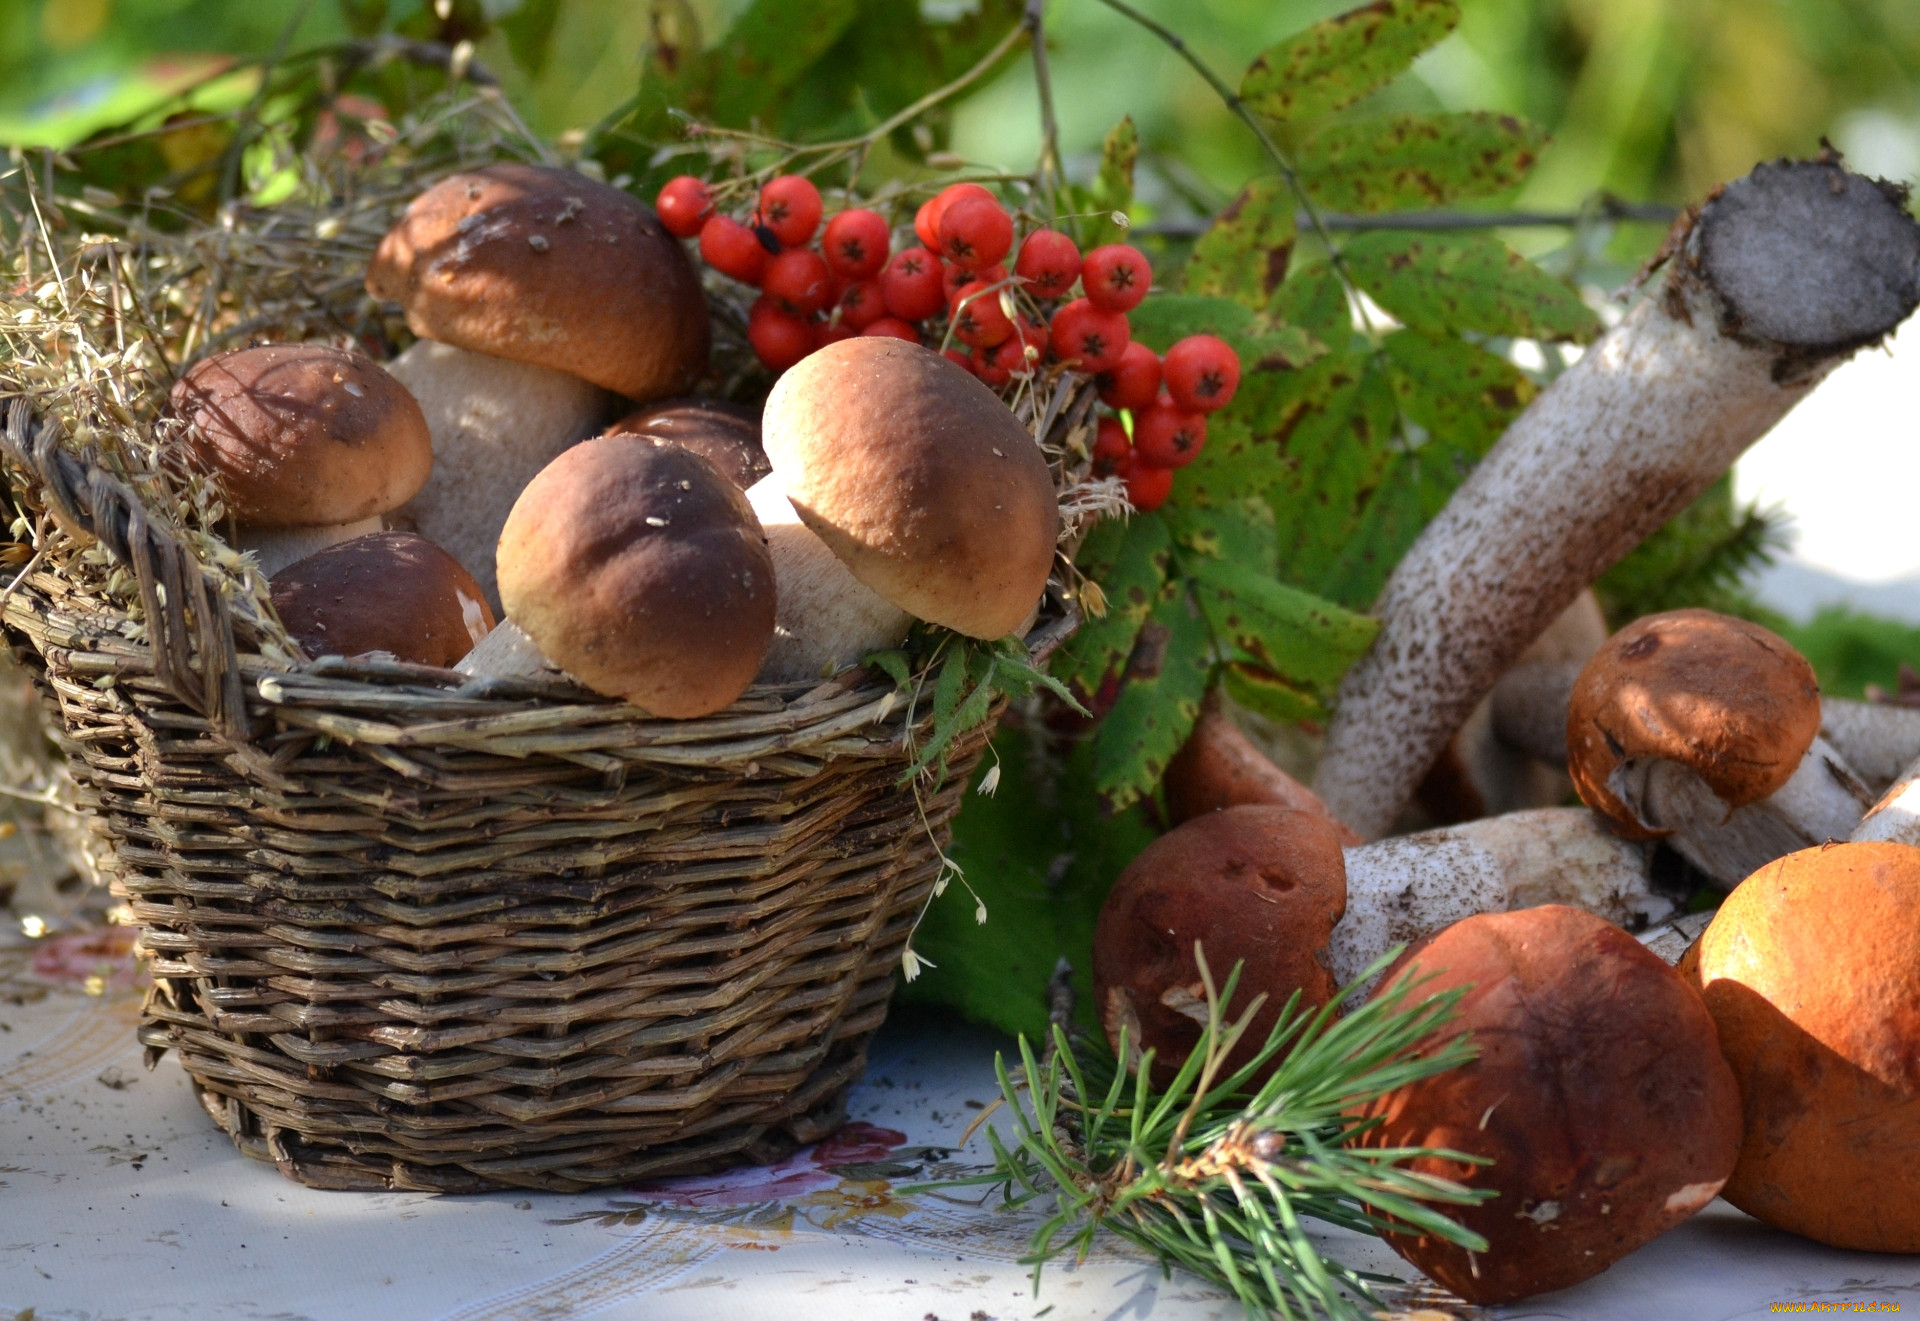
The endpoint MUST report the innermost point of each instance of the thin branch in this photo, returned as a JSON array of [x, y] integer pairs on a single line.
[[1049, 166]]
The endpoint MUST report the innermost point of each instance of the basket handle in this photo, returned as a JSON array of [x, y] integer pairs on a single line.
[[189, 626]]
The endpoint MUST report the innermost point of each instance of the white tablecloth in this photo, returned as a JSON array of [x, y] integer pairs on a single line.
[[119, 1199]]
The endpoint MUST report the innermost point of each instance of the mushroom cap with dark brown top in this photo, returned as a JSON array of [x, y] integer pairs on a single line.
[[1256, 885], [1598, 1092], [549, 267], [1811, 969], [641, 570], [919, 478], [726, 435], [388, 591], [1729, 700], [303, 435]]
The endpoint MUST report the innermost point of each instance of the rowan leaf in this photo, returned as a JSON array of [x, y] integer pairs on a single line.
[[1270, 694], [1113, 186], [1336, 62], [769, 48], [1233, 463], [1280, 629], [1448, 282], [1460, 393], [1240, 529], [1129, 560], [1314, 300], [1166, 677], [1408, 161], [1258, 339], [1244, 253]]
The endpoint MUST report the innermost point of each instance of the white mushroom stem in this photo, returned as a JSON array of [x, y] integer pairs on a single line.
[[1877, 739], [278, 547], [506, 652], [494, 424], [1674, 937], [827, 618], [1403, 888], [1822, 800], [1895, 819], [1783, 275]]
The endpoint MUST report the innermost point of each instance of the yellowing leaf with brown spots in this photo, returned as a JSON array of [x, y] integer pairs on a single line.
[[1336, 62], [1402, 162]]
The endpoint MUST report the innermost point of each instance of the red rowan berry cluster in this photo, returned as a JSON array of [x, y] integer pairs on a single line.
[[953, 288]]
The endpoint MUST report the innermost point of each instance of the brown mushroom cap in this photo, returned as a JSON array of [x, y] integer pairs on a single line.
[[303, 435], [1598, 1092], [726, 435], [1731, 701], [641, 570], [919, 478], [1811, 968], [549, 267], [390, 591], [1260, 885]]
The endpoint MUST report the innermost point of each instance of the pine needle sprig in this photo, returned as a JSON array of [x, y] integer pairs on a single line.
[[1217, 1172]]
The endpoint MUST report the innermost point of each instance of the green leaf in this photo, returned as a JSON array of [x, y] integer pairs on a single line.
[[1129, 561], [529, 31], [1166, 678], [1234, 463], [1459, 392], [1336, 62], [1280, 629], [1113, 187], [768, 49], [1408, 161], [1449, 282], [1241, 530], [1314, 299], [1244, 253], [1270, 694]]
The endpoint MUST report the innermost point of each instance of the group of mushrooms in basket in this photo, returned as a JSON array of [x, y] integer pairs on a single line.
[[690, 548], [1614, 1093], [678, 554]]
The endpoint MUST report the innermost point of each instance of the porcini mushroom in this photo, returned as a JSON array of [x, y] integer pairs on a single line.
[[391, 592], [639, 569], [1597, 1092], [1255, 885], [310, 444], [576, 282], [1705, 728], [726, 435], [919, 480], [1811, 970], [1773, 281]]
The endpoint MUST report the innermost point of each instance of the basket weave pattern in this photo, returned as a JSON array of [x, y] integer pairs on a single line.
[[411, 930]]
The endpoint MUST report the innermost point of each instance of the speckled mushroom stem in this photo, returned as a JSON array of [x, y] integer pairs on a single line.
[[1895, 818], [1774, 281], [1403, 888]]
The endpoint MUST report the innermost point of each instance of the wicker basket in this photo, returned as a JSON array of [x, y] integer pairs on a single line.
[[411, 930]]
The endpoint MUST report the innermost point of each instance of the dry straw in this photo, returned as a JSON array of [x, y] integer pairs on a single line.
[[408, 929]]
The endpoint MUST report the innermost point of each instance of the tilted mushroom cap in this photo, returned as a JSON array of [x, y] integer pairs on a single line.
[[726, 435], [641, 570], [391, 591], [548, 267], [1258, 884], [919, 478], [303, 435], [1731, 701]]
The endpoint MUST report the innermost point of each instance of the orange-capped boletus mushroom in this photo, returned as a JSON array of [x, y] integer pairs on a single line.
[[310, 444], [919, 479], [1256, 885], [389, 591], [639, 569], [1706, 728], [536, 292], [726, 435], [1598, 1092], [1811, 968], [1220, 767]]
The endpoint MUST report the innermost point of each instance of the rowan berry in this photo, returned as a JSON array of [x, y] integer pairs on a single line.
[[831, 332], [1168, 435], [978, 318], [684, 204], [1049, 262], [1148, 486], [861, 304], [732, 249], [1010, 356], [779, 338], [893, 327], [1202, 373], [790, 207], [1087, 339], [952, 277], [911, 285], [987, 366], [1135, 382], [1116, 277], [926, 221], [975, 232], [856, 244], [1111, 447], [799, 281]]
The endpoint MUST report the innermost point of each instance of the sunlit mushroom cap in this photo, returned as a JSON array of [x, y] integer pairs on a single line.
[[389, 591]]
